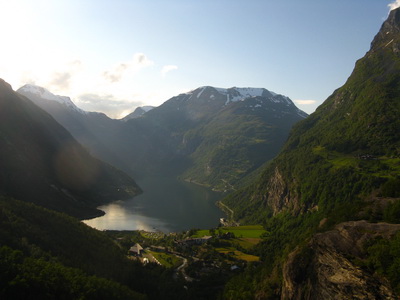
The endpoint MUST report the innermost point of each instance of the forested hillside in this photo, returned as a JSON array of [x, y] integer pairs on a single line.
[[341, 163], [48, 255]]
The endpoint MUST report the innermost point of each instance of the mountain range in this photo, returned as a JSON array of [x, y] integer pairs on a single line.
[[210, 136], [329, 201]]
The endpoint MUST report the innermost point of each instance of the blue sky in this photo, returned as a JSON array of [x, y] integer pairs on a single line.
[[112, 56]]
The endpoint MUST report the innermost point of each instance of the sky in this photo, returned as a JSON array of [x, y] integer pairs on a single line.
[[111, 56]]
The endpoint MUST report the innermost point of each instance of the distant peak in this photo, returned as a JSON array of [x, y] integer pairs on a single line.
[[41, 92], [147, 108], [138, 112], [235, 94], [34, 89]]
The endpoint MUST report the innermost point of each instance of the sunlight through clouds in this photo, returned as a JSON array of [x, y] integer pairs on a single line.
[[117, 91], [114, 107], [307, 105], [305, 102]]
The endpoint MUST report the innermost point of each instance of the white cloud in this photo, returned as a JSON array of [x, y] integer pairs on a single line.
[[395, 4], [116, 73], [115, 91], [167, 69], [57, 76], [61, 80], [305, 102], [142, 60]]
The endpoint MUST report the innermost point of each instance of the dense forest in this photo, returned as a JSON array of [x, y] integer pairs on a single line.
[[51, 255]]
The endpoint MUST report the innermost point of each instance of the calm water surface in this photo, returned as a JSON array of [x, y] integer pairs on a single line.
[[167, 204]]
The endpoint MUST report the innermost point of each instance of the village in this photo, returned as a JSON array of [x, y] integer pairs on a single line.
[[195, 256]]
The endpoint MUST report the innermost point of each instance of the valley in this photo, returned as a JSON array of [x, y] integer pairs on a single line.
[[166, 205], [196, 257], [218, 193]]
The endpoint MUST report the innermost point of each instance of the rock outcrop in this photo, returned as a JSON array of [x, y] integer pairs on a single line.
[[280, 195], [325, 269]]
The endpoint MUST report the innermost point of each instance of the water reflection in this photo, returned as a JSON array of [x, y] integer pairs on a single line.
[[119, 218], [166, 205]]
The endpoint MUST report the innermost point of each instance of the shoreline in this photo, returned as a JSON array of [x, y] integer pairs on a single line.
[[229, 212]]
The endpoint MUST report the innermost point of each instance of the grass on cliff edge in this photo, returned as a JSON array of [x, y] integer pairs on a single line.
[[382, 166]]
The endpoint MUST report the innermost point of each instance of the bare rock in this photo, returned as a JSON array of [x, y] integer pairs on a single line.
[[280, 196], [324, 269]]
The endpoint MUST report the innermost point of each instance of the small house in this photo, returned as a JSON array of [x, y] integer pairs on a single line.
[[136, 250]]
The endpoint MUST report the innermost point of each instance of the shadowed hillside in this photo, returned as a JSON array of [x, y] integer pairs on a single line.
[[42, 163]]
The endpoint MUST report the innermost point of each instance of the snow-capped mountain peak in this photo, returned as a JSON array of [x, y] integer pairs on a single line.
[[256, 98], [236, 94], [40, 92]]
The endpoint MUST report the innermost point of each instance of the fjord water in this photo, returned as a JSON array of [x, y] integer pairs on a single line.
[[167, 205]]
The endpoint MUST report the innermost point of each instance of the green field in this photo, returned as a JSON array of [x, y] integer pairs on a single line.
[[167, 260], [247, 243], [238, 254], [245, 236], [382, 166], [247, 231]]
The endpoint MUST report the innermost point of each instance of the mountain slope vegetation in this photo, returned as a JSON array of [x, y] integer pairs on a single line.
[[49, 255], [341, 163]]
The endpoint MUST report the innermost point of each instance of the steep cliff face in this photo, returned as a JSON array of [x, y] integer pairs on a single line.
[[325, 268], [280, 197]]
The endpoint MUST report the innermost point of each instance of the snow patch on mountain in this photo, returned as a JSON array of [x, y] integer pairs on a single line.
[[147, 108], [46, 95], [236, 94], [201, 92], [243, 93]]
